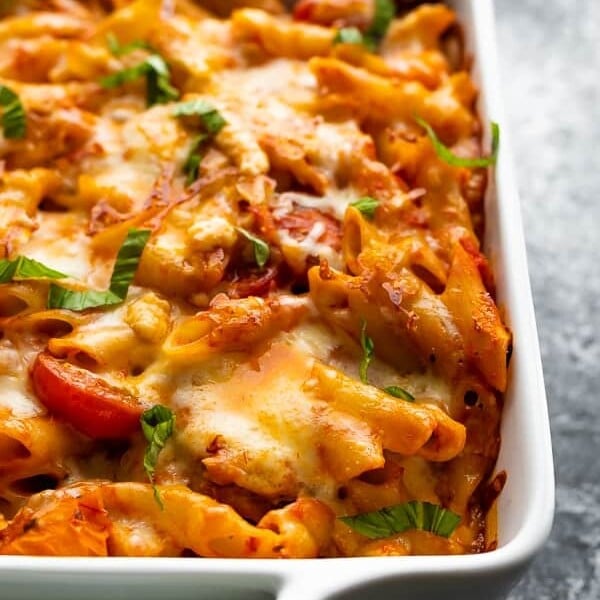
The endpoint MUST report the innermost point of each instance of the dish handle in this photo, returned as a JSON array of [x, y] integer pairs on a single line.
[[322, 585], [366, 580]]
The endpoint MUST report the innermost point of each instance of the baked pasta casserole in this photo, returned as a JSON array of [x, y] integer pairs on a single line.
[[244, 311]]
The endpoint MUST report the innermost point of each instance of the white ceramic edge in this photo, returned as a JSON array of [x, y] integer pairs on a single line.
[[318, 579], [515, 294]]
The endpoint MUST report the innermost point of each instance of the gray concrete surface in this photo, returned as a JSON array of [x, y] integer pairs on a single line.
[[550, 62]]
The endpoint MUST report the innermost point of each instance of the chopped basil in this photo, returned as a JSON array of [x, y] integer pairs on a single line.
[[368, 348], [118, 49], [366, 205], [125, 76], [385, 10], [26, 268], [158, 86], [384, 13], [458, 161], [398, 392], [191, 166], [14, 122], [211, 118], [59, 297], [212, 121], [261, 248], [127, 261], [402, 517], [348, 35], [123, 273], [158, 424]]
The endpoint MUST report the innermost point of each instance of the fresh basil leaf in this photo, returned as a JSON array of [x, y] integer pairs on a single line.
[[158, 424], [158, 86], [402, 517], [348, 35], [14, 120], [76, 300], [385, 11], [191, 167], [449, 157], [261, 248], [127, 261], [58, 297], [125, 76], [211, 118], [368, 348], [118, 49], [366, 205], [122, 276], [7, 270], [159, 89], [26, 268], [398, 392]]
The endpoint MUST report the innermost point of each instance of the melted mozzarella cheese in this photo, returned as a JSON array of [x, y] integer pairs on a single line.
[[297, 252], [14, 393], [261, 428], [61, 243], [315, 338], [278, 77], [255, 420], [15, 397], [128, 152], [333, 202]]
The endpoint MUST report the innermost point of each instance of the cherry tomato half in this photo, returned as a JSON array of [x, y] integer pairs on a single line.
[[84, 400]]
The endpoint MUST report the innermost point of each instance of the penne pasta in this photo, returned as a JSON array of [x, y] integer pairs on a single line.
[[244, 312]]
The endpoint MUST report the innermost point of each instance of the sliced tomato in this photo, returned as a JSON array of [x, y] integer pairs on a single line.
[[84, 400]]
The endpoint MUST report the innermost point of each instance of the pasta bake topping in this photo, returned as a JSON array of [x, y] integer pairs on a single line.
[[244, 308]]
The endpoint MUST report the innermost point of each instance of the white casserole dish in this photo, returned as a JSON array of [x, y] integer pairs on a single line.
[[526, 505]]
